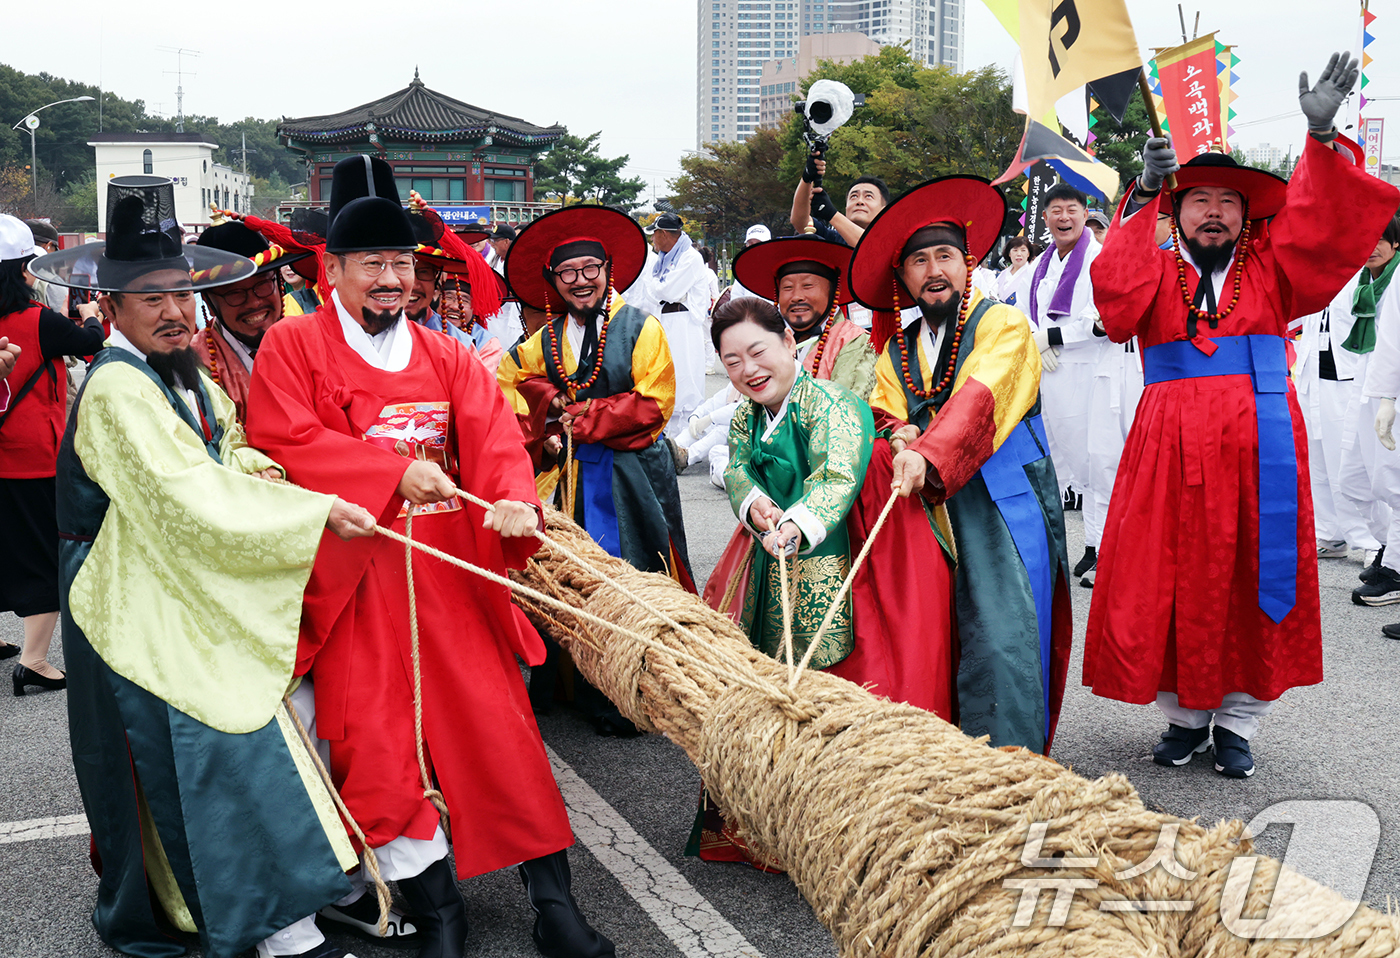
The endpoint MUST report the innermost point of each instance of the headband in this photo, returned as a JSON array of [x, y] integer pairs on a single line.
[[939, 234]]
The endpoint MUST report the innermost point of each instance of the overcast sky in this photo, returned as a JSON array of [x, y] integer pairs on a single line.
[[625, 67]]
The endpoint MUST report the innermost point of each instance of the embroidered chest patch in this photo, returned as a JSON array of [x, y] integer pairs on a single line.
[[418, 430]]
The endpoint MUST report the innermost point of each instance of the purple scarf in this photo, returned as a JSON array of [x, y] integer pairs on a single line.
[[1064, 293]]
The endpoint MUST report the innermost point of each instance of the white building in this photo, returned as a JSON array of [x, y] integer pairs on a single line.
[[1264, 156], [187, 158], [737, 37], [781, 80]]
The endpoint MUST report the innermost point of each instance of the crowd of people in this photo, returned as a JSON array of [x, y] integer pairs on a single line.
[[198, 503]]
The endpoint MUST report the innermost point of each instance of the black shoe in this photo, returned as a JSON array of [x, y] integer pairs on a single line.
[[1087, 579], [1383, 589], [1073, 501], [361, 919], [438, 911], [1179, 744], [1232, 757], [560, 931], [1391, 631], [1091, 556], [26, 676], [8, 650], [1368, 574]]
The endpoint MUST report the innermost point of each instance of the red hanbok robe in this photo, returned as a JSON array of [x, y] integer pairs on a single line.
[[1176, 600], [225, 366], [312, 400]]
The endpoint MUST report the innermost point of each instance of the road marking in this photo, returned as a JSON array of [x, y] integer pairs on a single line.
[[681, 912], [34, 829]]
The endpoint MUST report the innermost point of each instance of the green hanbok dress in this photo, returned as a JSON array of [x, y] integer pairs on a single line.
[[810, 460]]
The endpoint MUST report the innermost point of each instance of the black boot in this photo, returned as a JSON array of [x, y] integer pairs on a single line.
[[438, 911], [560, 931]]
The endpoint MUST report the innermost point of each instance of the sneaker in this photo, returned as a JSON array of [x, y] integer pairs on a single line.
[[1368, 574], [1232, 758], [1087, 579], [1391, 631], [1179, 744], [1091, 556], [679, 454], [1073, 501], [1334, 549], [1383, 589]]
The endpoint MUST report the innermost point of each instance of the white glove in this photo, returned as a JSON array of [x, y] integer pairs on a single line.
[[1385, 419], [699, 425], [1049, 355]]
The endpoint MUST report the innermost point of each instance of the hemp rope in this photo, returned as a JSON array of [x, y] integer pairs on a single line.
[[430, 793], [845, 587], [370, 857], [569, 493], [897, 827]]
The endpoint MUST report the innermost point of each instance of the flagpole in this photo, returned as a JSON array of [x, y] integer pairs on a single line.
[[1146, 89]]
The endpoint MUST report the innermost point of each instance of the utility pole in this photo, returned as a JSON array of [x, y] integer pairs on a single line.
[[244, 151]]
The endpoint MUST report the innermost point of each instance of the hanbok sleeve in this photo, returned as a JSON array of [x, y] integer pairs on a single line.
[[841, 433], [1127, 274], [743, 492], [887, 399], [633, 420], [998, 384], [855, 367], [1383, 370]]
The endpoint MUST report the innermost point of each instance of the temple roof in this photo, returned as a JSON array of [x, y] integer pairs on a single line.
[[417, 113]]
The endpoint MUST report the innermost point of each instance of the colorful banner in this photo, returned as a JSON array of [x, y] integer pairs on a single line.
[[1372, 134], [1226, 62], [1367, 18], [1188, 76]]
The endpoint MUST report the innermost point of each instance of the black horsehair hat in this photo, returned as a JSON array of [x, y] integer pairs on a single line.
[[365, 212], [143, 237]]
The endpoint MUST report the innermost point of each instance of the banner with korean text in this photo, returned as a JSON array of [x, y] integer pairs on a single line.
[[1372, 135], [1190, 94]]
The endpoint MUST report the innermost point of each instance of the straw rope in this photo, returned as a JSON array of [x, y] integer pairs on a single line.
[[429, 792], [901, 831], [370, 858]]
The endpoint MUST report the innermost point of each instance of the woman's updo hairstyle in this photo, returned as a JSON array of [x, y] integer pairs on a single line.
[[749, 309]]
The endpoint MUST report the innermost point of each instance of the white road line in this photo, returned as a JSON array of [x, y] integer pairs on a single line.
[[681, 912], [35, 829]]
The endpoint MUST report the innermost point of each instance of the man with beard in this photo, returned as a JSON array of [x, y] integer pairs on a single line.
[[805, 276], [959, 391], [445, 272], [242, 311], [594, 387], [357, 399], [182, 576], [1206, 598]]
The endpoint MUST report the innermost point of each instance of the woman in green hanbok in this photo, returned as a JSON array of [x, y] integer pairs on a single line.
[[799, 448]]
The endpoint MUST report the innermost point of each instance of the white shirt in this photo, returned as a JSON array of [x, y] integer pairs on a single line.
[[235, 344], [1080, 345], [390, 350]]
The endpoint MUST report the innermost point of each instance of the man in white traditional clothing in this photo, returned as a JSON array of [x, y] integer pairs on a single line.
[[1383, 385], [1058, 296], [679, 283]]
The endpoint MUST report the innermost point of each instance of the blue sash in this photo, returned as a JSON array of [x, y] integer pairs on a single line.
[[595, 469], [1011, 490], [1264, 360]]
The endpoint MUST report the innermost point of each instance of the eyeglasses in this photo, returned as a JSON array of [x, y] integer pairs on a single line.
[[375, 266], [571, 275], [237, 297]]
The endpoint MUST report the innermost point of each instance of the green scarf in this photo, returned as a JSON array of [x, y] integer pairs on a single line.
[[1362, 338]]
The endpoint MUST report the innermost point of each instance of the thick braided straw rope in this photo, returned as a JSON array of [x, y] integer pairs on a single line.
[[907, 836]]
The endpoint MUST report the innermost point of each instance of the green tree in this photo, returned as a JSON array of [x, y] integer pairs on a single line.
[[77, 211], [576, 172], [731, 186]]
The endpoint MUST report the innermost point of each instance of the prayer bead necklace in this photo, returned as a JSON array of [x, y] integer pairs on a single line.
[[552, 338], [826, 334], [1241, 248], [957, 339]]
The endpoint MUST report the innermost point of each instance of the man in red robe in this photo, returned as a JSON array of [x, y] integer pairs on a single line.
[[356, 397], [241, 312], [1207, 599]]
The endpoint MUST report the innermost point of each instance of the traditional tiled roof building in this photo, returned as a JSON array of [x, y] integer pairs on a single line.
[[470, 163]]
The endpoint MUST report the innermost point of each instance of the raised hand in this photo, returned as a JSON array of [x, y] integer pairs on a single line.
[[1158, 162], [1320, 103]]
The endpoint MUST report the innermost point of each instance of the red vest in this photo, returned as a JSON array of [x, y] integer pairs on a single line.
[[34, 426]]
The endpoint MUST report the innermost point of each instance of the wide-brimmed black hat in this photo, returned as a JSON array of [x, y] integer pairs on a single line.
[[760, 267], [236, 237], [143, 238], [1263, 192], [365, 211]]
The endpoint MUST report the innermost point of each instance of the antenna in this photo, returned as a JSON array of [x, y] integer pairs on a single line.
[[179, 71], [1181, 14], [244, 151]]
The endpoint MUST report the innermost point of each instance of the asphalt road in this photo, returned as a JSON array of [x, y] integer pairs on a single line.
[[632, 801]]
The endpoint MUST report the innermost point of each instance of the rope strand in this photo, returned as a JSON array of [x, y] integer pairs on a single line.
[[430, 793]]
